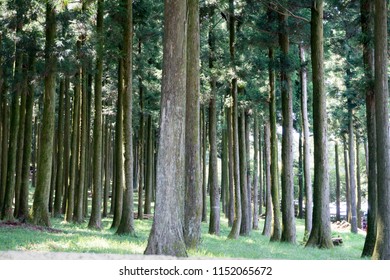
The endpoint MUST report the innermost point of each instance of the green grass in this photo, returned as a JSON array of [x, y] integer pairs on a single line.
[[77, 238]]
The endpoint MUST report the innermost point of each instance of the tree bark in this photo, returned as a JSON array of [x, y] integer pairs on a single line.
[[126, 225], [367, 23], [306, 145], [320, 235], [338, 188], [347, 181], [166, 236], [193, 186], [255, 222], [288, 212], [245, 222], [268, 196], [95, 220], [204, 180], [40, 213], [382, 246], [276, 228]]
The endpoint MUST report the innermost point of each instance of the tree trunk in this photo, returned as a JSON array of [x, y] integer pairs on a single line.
[[338, 188], [118, 203], [214, 225], [193, 187], [248, 169], [267, 160], [166, 236], [288, 212], [306, 145], [95, 220], [141, 153], [126, 225], [367, 23], [245, 222], [347, 180], [149, 167], [276, 229], [229, 140], [40, 213], [235, 231], [25, 180], [382, 246], [352, 177], [255, 221], [300, 177], [67, 131], [320, 235], [358, 186], [60, 150], [204, 180]]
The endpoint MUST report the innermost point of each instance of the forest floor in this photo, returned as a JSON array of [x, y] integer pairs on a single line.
[[75, 241]]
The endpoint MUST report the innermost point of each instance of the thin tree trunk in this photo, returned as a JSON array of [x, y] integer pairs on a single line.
[[306, 145], [338, 188], [67, 124], [149, 167], [347, 180], [204, 181], [60, 150], [245, 222], [352, 177], [358, 186], [118, 203], [276, 228], [255, 173], [229, 140], [267, 160], [248, 169]]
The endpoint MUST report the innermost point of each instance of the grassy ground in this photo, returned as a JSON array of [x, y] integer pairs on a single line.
[[77, 238]]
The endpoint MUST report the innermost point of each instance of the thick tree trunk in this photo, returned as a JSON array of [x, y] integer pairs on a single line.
[[367, 23], [288, 213], [306, 145], [268, 196], [126, 225], [320, 235], [95, 220], [193, 186], [40, 213], [166, 236], [382, 246], [276, 228]]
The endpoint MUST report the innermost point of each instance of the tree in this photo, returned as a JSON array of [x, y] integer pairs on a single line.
[[126, 225], [367, 24], [382, 245], [95, 218], [166, 236], [320, 235], [288, 211], [40, 211], [193, 198]]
